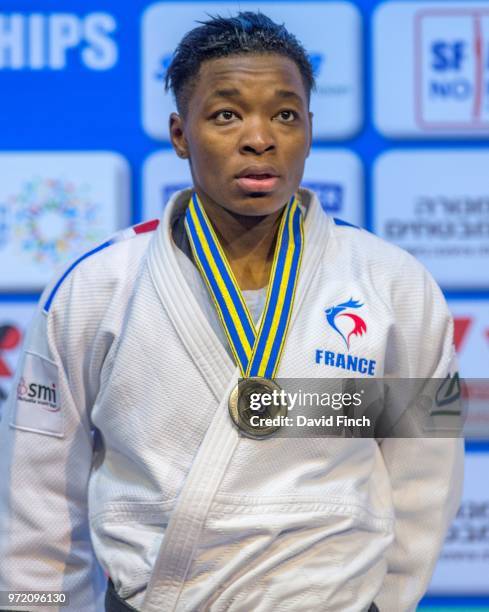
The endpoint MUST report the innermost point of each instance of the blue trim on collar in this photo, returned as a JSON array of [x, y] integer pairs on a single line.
[[341, 222]]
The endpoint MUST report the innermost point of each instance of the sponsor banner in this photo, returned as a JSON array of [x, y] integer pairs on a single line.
[[54, 206], [334, 48], [436, 205], [14, 320], [463, 565], [471, 336], [335, 175], [60, 65], [54, 41], [432, 78]]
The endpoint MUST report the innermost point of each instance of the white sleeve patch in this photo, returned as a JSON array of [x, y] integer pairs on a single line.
[[36, 404]]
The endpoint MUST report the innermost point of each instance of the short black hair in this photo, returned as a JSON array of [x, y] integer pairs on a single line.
[[248, 32]]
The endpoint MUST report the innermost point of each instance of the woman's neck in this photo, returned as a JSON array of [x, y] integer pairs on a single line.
[[248, 243]]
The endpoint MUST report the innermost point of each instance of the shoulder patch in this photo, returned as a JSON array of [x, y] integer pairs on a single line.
[[147, 226], [345, 223], [36, 405]]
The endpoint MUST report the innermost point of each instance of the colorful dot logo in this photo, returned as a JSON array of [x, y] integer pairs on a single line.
[[55, 219]]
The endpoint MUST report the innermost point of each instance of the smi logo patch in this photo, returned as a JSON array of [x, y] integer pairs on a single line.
[[38, 407], [344, 320], [41, 395]]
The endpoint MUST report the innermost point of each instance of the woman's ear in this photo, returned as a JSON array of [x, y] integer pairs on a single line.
[[177, 136]]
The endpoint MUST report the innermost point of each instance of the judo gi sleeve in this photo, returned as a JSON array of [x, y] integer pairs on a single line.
[[426, 474], [46, 451]]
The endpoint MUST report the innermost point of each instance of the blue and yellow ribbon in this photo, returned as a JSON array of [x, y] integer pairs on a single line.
[[257, 352]]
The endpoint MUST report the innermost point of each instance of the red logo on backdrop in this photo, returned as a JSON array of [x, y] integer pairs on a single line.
[[461, 327], [475, 390], [10, 337]]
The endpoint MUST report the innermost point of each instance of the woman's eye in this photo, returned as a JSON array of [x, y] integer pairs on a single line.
[[225, 116], [287, 115]]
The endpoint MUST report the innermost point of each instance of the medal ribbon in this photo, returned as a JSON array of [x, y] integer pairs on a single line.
[[257, 352]]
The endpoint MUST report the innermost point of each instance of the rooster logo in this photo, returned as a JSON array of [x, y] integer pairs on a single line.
[[359, 325]]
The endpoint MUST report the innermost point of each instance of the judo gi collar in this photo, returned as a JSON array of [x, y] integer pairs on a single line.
[[257, 352]]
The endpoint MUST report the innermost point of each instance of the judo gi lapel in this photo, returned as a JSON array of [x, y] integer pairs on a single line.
[[183, 309], [220, 373], [317, 228]]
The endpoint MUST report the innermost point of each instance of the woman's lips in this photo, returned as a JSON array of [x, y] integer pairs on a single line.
[[255, 183]]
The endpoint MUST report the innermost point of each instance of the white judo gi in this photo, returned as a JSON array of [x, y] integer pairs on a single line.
[[116, 442]]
